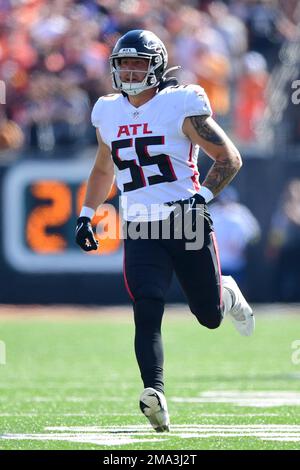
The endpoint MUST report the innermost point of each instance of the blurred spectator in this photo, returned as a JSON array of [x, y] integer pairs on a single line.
[[233, 31], [284, 244], [56, 112], [268, 25], [235, 228], [11, 136], [203, 53], [250, 99], [212, 71]]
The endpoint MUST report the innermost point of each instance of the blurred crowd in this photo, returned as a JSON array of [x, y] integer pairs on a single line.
[[54, 60], [283, 249], [236, 229]]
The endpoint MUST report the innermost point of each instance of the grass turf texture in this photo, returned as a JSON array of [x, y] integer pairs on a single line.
[[80, 372]]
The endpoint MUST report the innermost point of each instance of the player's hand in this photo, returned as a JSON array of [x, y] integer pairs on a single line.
[[84, 234], [205, 213], [195, 205]]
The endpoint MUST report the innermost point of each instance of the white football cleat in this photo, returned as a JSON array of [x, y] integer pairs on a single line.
[[241, 313], [154, 406]]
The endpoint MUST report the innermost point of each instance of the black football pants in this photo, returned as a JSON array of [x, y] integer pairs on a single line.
[[148, 268]]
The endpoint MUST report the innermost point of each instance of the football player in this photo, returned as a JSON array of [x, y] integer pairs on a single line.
[[149, 134]]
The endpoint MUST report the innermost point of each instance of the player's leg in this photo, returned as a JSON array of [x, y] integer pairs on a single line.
[[233, 302], [210, 295], [199, 274], [148, 272]]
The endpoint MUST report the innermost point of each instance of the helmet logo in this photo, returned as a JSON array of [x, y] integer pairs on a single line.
[[153, 47], [128, 51]]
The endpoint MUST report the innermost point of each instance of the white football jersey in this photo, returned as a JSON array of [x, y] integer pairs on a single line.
[[154, 161]]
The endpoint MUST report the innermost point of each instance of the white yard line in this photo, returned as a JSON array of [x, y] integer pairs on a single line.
[[260, 399], [55, 398], [122, 435]]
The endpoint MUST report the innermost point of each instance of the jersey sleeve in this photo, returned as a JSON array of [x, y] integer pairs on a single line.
[[196, 102], [97, 112]]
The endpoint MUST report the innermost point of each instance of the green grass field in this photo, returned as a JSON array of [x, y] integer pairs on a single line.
[[71, 382]]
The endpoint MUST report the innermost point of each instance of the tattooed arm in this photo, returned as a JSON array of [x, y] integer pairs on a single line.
[[205, 132]]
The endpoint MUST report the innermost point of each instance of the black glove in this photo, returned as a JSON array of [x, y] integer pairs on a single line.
[[198, 199], [183, 206], [186, 205], [85, 235]]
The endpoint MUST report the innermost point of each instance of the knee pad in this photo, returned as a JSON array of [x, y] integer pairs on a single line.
[[149, 291]]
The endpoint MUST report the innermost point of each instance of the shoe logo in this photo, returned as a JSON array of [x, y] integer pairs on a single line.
[[143, 407]]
